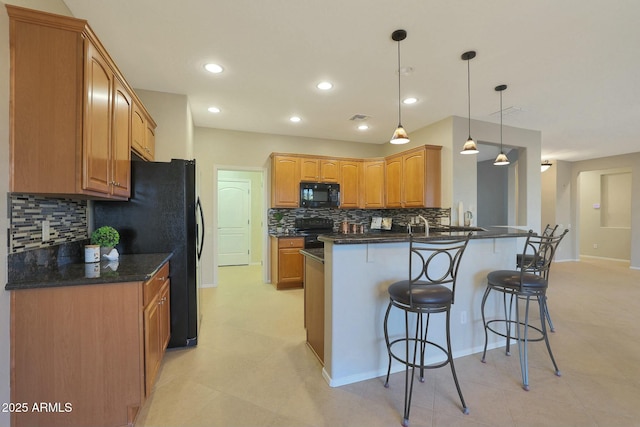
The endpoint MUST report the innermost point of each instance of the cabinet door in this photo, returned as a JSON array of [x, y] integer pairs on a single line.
[[433, 192], [319, 170], [152, 344], [285, 182], [290, 266], [150, 142], [349, 184], [309, 170], [97, 122], [121, 142], [138, 131], [164, 317], [413, 179], [329, 170], [373, 184], [393, 182]]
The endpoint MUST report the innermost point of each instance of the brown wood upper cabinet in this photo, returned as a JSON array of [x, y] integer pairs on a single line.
[[412, 178], [373, 184], [285, 181], [350, 193], [71, 110], [143, 138], [319, 170]]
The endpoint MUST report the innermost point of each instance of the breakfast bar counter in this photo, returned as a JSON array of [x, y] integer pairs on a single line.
[[358, 268]]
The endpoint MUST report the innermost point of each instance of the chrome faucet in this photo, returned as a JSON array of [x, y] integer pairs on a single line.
[[426, 225]]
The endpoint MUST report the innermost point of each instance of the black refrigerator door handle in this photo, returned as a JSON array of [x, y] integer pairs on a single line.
[[199, 207]]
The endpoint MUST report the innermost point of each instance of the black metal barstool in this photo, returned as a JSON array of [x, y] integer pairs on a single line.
[[530, 281], [548, 231], [433, 267]]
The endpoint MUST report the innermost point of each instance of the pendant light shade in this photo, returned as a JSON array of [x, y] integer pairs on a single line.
[[502, 159], [545, 165], [470, 146], [400, 135]]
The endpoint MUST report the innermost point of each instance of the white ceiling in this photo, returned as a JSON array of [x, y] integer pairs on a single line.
[[572, 66]]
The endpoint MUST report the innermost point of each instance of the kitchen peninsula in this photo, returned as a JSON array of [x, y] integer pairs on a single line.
[[358, 268]]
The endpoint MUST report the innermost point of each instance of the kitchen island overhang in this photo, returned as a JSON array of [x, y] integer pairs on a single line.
[[358, 270]]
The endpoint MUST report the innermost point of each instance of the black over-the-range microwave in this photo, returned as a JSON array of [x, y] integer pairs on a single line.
[[319, 195]]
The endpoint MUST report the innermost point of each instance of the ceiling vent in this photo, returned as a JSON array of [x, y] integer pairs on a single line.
[[359, 117]]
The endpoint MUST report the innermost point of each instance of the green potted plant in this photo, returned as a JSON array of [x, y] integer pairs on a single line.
[[106, 237], [278, 217]]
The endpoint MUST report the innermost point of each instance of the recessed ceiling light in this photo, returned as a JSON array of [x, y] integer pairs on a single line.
[[363, 127], [295, 119], [213, 109], [213, 68], [410, 100], [324, 85]]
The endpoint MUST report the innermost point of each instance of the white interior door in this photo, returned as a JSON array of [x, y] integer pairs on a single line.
[[234, 207]]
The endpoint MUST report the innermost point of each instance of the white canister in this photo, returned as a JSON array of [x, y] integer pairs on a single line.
[[92, 270], [92, 253]]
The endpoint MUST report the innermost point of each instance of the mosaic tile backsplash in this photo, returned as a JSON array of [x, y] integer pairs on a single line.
[[358, 216], [67, 221]]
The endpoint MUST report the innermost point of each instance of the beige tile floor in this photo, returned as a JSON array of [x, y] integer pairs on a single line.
[[252, 367]]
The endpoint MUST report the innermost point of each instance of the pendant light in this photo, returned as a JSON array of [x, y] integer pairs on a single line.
[[545, 165], [400, 135], [470, 146], [502, 159]]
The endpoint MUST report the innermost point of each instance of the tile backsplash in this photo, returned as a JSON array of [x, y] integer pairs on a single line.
[[358, 216], [67, 221]]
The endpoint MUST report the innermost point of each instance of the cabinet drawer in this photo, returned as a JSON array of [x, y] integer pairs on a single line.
[[291, 242], [153, 285]]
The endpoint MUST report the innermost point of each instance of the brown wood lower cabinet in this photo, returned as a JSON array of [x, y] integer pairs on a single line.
[[156, 325], [286, 262], [314, 305], [81, 352]]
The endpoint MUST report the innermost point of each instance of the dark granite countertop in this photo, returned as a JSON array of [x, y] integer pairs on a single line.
[[291, 234], [128, 268], [391, 237], [314, 253]]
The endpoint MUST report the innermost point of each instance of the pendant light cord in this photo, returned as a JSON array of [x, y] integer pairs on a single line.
[[501, 123], [469, 94], [399, 109]]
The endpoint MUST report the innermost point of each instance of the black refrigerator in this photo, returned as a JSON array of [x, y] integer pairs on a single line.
[[164, 215]]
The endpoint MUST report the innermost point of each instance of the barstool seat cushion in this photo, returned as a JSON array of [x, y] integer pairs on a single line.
[[512, 279], [423, 293]]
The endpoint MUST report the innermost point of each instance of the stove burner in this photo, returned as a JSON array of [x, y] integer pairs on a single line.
[[311, 228]]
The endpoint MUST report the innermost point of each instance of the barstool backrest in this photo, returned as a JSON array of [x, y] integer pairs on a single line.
[[538, 253], [435, 262], [549, 230]]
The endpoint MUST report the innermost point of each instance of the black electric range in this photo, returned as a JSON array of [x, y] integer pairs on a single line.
[[310, 228]]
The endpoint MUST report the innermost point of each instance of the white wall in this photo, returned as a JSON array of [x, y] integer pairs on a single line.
[[465, 167], [611, 242], [222, 149], [172, 114], [630, 161]]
